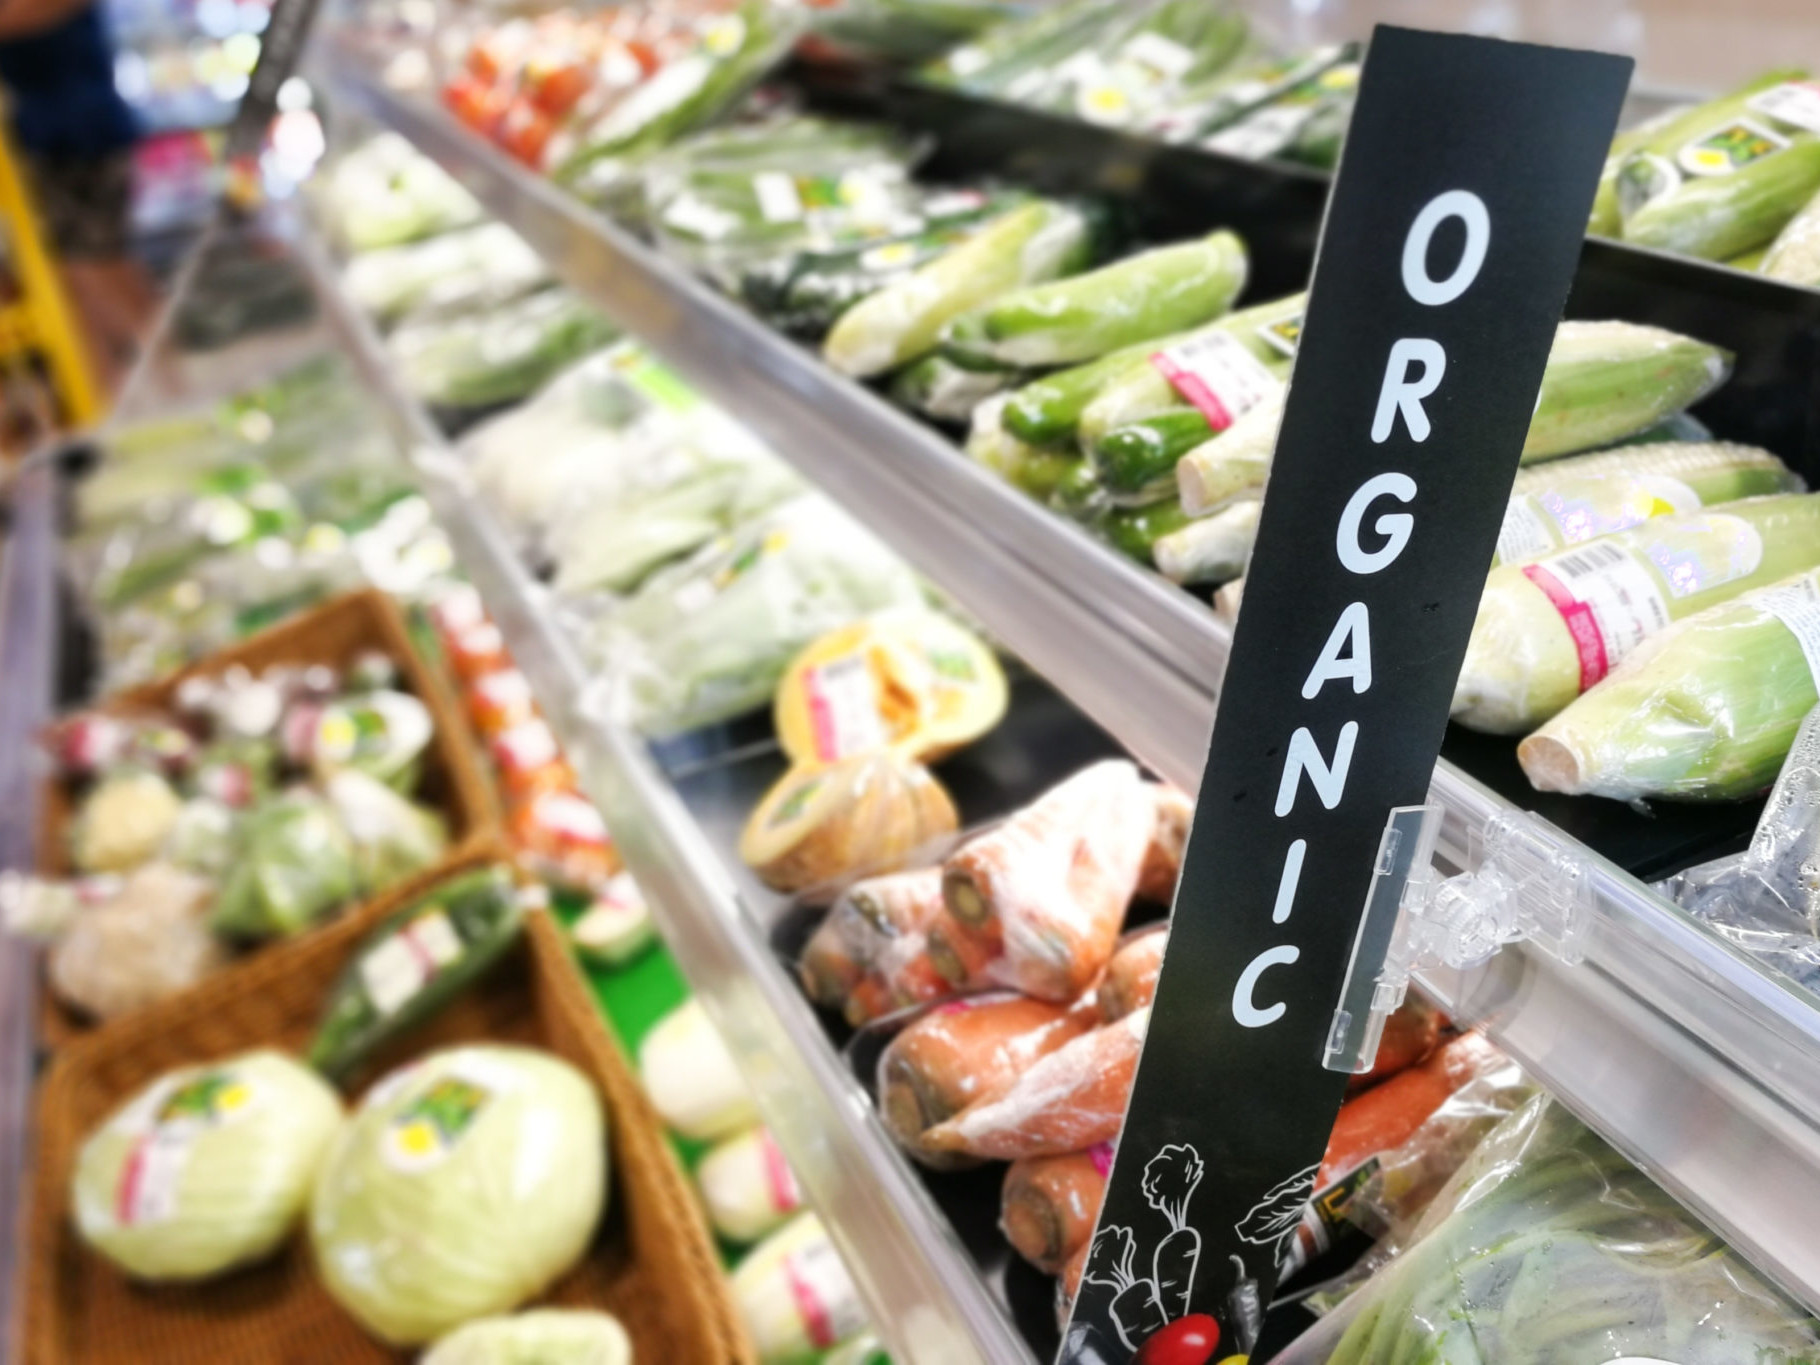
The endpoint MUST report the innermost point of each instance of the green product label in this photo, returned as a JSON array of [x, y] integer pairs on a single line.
[[1731, 148], [1283, 335], [424, 1132]]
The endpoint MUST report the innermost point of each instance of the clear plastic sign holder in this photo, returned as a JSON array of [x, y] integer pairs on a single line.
[[1522, 887]]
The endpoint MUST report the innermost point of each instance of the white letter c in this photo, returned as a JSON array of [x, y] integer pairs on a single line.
[[1243, 1010]]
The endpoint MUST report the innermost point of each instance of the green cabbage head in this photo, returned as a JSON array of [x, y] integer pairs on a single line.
[[464, 1186], [571, 1336], [207, 1168]]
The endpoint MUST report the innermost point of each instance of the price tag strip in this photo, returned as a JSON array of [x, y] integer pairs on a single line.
[[1452, 236]]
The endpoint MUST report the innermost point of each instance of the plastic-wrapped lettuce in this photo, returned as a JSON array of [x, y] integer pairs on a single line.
[[1549, 1246], [547, 1336], [386, 192], [692, 1079], [474, 268], [392, 836], [296, 864], [465, 1185], [709, 638], [207, 1168]]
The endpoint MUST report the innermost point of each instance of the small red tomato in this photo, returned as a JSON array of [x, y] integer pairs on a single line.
[[1186, 1341]]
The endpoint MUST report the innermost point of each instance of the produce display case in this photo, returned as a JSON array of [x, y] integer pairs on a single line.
[[1681, 1050]]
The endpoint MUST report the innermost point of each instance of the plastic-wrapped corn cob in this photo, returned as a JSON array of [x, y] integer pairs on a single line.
[[902, 322], [1728, 177], [1568, 501], [1795, 255], [1705, 710], [1550, 629]]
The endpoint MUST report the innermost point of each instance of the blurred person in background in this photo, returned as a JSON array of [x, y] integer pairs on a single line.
[[76, 135]]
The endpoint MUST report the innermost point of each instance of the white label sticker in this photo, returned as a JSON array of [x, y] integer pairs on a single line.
[[1164, 56], [1797, 606], [824, 1294], [167, 1121], [1218, 375], [1526, 532], [964, 61], [777, 197], [1609, 602], [691, 214], [843, 708], [395, 971], [1796, 102]]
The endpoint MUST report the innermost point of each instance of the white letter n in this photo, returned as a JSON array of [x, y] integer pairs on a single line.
[[1304, 757]]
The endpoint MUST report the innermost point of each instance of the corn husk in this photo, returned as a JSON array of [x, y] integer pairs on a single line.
[[1795, 254], [1564, 502], [1525, 661], [1706, 710]]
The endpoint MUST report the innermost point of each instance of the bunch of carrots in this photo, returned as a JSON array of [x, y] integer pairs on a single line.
[[1035, 1001]]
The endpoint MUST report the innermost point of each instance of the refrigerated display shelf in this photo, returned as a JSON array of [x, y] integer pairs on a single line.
[[1674, 1045]]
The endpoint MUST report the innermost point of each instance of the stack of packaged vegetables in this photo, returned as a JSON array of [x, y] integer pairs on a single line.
[[1736, 179], [256, 809], [203, 527], [586, 97], [792, 1287], [1177, 69]]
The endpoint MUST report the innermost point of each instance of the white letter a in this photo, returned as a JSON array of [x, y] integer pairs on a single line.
[[1354, 625]]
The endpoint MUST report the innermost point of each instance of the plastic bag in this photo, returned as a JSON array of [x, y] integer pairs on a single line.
[[1548, 1245], [392, 837], [1766, 900], [498, 355], [709, 638], [296, 865], [148, 940], [461, 271]]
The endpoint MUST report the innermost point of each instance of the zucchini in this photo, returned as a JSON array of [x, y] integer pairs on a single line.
[[1046, 412], [414, 964], [1168, 289], [903, 321], [1029, 468]]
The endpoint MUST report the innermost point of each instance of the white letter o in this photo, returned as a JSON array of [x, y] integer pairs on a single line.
[[1470, 210]]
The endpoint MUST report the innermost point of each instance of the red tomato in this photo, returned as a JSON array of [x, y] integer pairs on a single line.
[[555, 87], [1186, 1341]]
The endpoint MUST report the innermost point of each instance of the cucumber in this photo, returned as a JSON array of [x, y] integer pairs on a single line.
[[1716, 217], [1143, 455], [1168, 289], [1078, 494], [1141, 391], [1047, 411], [390, 984], [1028, 468], [903, 321], [1135, 531]]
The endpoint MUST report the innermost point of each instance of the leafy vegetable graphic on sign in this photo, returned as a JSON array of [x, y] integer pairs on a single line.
[[1275, 1216], [1151, 1313]]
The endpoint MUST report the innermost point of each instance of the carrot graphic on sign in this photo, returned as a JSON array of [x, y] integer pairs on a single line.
[[1169, 1183]]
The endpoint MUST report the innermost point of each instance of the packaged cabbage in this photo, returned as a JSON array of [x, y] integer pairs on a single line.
[[207, 1168], [393, 837], [466, 1184], [497, 355], [709, 638], [1549, 1246], [544, 1336], [477, 267], [692, 1079]]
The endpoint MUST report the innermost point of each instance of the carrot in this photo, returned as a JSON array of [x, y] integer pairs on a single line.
[[1410, 1034], [1070, 1099], [860, 927], [904, 975], [1070, 1282], [1168, 839], [1389, 1113], [965, 1052], [1130, 980], [1050, 1203], [1056, 879]]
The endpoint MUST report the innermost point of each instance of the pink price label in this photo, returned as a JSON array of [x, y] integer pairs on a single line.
[[779, 1178], [1582, 625], [1217, 375], [1100, 1154]]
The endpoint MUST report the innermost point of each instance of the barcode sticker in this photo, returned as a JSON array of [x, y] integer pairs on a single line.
[[1217, 375], [1797, 606], [778, 199], [1609, 602], [1527, 532], [1796, 102], [843, 708]]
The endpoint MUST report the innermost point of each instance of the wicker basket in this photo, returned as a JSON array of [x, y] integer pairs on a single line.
[[335, 633], [652, 1263]]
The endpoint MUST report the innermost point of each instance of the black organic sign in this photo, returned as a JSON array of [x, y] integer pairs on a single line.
[[1451, 238]]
